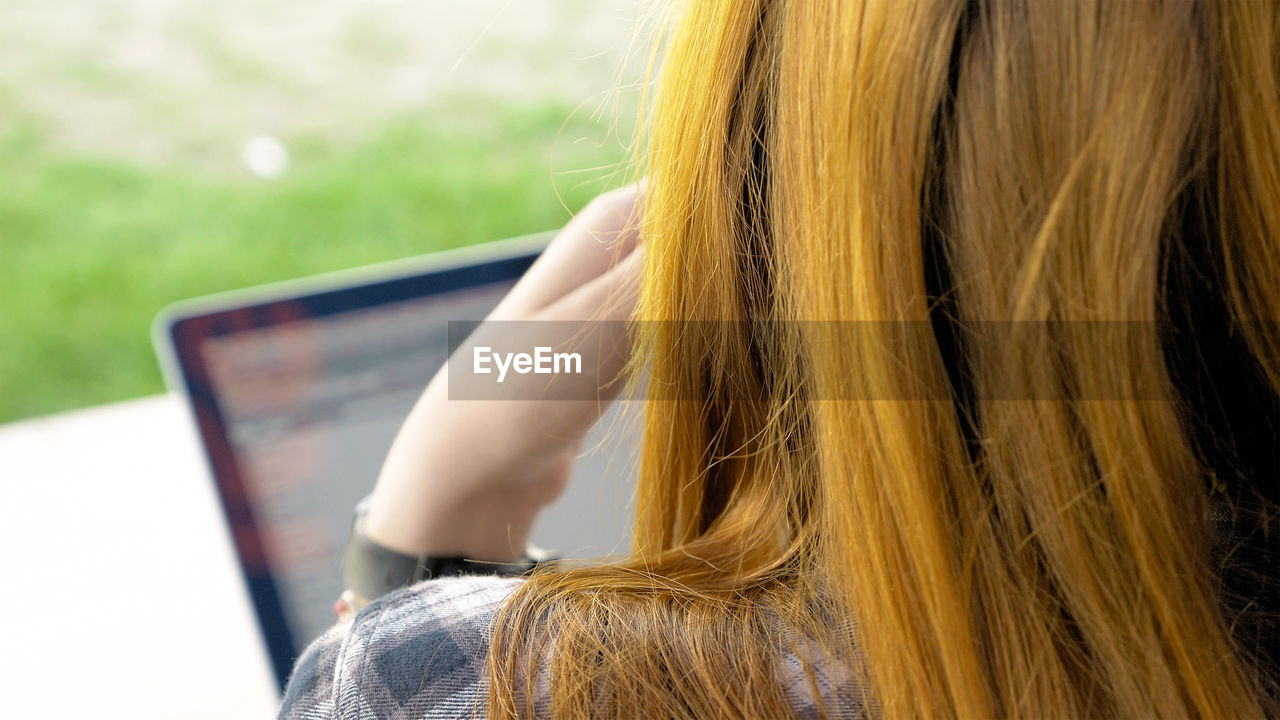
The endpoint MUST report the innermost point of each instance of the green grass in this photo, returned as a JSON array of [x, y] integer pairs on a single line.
[[91, 248]]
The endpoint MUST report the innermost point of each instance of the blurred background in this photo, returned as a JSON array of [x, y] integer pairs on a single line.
[[153, 150], [157, 150]]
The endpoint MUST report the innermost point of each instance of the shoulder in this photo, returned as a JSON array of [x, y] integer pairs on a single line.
[[420, 651]]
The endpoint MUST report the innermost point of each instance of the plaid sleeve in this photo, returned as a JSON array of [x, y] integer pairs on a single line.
[[309, 694], [420, 652]]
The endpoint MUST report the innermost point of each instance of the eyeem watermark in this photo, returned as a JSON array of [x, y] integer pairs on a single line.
[[533, 360], [543, 361], [990, 361]]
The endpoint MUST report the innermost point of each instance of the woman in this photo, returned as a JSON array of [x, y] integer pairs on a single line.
[[964, 372]]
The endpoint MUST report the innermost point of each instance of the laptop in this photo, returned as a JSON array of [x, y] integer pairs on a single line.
[[297, 390]]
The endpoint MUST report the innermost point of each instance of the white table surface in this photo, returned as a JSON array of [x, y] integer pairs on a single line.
[[122, 592]]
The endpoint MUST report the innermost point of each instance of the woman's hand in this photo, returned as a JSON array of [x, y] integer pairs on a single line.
[[467, 477]]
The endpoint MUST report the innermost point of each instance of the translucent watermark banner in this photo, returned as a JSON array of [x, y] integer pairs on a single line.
[[1076, 360]]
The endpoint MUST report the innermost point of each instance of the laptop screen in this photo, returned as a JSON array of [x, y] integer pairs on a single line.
[[298, 399], [310, 408]]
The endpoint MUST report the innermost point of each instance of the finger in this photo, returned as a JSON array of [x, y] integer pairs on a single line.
[[611, 296], [595, 240]]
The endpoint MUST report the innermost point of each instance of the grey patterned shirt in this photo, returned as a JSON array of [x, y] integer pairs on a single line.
[[422, 653]]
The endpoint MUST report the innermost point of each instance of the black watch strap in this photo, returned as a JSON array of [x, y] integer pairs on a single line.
[[372, 570]]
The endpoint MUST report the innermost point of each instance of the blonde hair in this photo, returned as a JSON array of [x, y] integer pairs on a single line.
[[1022, 532]]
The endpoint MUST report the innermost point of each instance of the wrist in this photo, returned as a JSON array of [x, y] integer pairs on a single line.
[[482, 524], [370, 569]]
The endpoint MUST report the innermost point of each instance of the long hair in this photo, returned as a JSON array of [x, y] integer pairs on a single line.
[[924, 439]]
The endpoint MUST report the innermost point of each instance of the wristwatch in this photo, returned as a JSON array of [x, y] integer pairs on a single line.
[[370, 570]]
